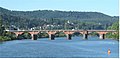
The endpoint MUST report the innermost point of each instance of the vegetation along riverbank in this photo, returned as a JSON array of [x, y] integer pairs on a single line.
[[55, 20]]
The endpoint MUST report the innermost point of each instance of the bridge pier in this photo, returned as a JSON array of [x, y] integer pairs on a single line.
[[85, 36], [18, 33], [34, 36], [51, 36], [102, 36], [67, 32], [69, 36]]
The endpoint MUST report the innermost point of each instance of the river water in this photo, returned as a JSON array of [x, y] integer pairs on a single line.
[[60, 48]]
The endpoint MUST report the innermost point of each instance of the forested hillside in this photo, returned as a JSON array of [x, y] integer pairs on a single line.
[[40, 19]]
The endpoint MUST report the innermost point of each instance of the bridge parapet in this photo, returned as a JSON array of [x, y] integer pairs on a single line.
[[61, 30], [51, 32], [68, 32], [33, 32], [102, 32]]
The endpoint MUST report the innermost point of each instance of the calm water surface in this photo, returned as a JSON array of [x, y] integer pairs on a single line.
[[60, 48]]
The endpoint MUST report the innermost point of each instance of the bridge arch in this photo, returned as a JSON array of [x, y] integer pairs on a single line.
[[93, 34], [43, 35], [24, 35], [68, 33], [60, 34], [77, 34], [17, 33], [102, 34]]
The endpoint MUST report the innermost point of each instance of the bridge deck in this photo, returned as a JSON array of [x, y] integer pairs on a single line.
[[60, 30]]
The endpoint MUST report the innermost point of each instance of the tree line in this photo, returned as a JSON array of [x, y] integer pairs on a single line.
[[54, 20], [5, 36], [58, 19]]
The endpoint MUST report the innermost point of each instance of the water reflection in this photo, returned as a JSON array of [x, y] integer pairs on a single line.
[[60, 47]]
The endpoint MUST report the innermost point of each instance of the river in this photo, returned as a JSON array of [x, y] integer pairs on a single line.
[[60, 48]]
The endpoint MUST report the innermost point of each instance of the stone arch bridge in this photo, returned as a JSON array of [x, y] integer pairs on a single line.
[[67, 32]]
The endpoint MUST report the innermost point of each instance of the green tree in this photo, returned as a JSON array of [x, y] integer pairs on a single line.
[[1, 29], [115, 26]]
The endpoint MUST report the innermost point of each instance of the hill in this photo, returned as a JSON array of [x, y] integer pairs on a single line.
[[43, 18]]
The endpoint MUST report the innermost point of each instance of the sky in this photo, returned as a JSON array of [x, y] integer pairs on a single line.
[[109, 7]]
